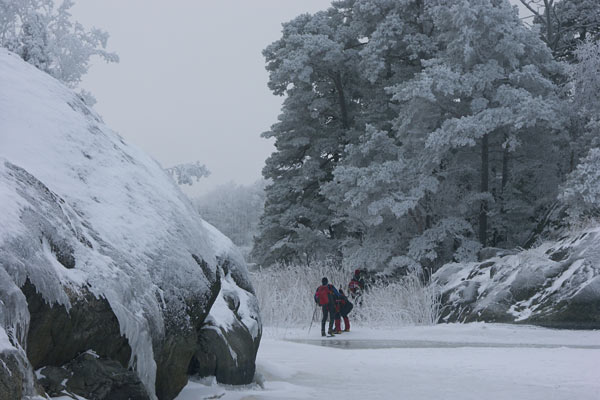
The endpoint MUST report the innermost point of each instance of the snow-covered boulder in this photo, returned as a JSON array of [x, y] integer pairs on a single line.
[[231, 328], [556, 284], [92, 377], [16, 377], [99, 249]]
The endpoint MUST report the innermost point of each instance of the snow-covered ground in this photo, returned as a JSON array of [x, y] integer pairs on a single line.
[[455, 361]]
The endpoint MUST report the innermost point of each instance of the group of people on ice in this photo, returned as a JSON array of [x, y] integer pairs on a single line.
[[335, 305]]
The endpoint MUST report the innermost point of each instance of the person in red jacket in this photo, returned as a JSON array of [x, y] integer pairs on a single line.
[[325, 296]]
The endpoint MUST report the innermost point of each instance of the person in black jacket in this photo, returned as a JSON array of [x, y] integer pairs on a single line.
[[345, 307]]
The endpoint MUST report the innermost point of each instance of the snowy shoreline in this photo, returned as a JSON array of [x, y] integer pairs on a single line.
[[476, 332], [537, 363]]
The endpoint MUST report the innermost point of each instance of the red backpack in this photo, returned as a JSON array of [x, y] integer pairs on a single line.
[[354, 285], [322, 295]]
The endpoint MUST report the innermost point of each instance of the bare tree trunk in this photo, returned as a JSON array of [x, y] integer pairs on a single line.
[[415, 215], [342, 100], [483, 209], [549, 4], [499, 236], [504, 168], [546, 19]]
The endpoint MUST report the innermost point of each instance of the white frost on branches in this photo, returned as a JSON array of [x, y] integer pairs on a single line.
[[185, 174], [45, 36], [582, 188]]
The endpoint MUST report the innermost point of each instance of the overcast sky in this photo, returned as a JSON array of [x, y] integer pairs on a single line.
[[191, 83]]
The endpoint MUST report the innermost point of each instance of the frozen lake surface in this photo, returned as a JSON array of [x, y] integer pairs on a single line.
[[449, 362], [425, 344]]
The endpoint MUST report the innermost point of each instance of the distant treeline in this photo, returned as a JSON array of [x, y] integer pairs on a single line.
[[235, 210]]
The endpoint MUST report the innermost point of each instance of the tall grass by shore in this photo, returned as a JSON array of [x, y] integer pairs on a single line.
[[285, 295]]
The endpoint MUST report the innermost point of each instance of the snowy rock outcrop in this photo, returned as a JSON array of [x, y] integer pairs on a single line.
[[93, 378], [99, 249], [16, 377], [229, 331], [556, 284]]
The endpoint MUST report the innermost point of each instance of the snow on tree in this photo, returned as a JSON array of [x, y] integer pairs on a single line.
[[581, 192], [456, 157], [312, 64], [186, 174], [448, 133], [45, 36], [586, 79], [377, 186], [489, 89], [565, 24]]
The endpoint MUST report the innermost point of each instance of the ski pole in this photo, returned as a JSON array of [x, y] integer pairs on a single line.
[[312, 319]]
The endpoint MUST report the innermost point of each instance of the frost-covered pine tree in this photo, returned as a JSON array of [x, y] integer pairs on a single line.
[[493, 116], [188, 173], [375, 189], [314, 66], [454, 139], [45, 35], [472, 153], [581, 192], [565, 24], [33, 44]]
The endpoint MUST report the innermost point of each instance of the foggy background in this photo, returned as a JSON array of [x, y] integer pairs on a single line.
[[191, 84]]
